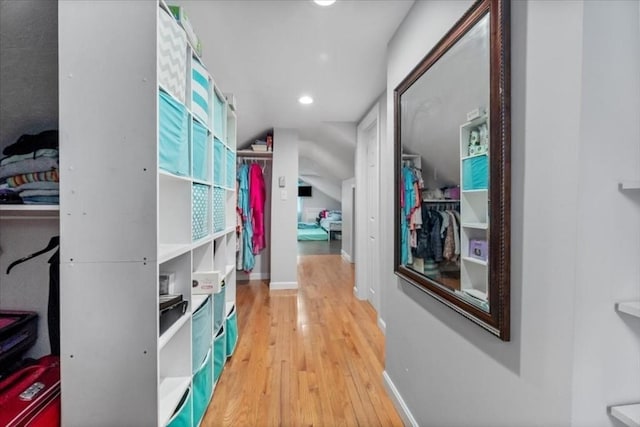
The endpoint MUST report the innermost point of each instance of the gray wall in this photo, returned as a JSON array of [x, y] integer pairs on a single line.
[[319, 200], [28, 68], [569, 349], [284, 226]]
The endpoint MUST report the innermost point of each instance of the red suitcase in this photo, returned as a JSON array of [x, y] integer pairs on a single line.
[[31, 396]]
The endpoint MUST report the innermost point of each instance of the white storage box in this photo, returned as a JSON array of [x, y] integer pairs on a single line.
[[206, 282]]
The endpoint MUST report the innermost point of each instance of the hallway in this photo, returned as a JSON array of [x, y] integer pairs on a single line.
[[308, 358]]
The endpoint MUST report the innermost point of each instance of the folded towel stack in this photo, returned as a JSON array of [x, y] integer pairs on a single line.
[[29, 172]]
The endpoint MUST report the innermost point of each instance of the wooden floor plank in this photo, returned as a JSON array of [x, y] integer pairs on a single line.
[[308, 358]]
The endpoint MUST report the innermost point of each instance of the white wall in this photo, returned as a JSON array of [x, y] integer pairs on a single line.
[[607, 344], [28, 68], [284, 225], [448, 371], [348, 186]]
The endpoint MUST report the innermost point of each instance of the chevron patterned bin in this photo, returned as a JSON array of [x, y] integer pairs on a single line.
[[172, 56]]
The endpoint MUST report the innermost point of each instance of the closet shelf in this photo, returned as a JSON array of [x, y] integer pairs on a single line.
[[474, 261], [251, 153], [170, 251], [201, 242], [631, 308], [473, 155], [477, 225], [177, 325], [171, 391], [482, 190], [29, 211], [441, 200], [630, 185], [166, 174], [627, 414], [200, 181]]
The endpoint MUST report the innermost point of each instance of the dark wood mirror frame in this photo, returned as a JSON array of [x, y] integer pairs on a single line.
[[497, 319]]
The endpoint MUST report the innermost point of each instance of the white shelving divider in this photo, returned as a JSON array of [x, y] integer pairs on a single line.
[[629, 415], [29, 211], [631, 308], [630, 185]]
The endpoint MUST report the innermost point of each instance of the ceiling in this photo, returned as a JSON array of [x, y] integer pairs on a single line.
[[268, 53]]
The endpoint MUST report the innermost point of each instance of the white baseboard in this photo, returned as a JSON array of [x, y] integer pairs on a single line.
[[398, 402], [279, 286], [346, 256], [252, 276], [382, 325]]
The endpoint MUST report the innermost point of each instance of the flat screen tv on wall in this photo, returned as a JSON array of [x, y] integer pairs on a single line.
[[304, 191]]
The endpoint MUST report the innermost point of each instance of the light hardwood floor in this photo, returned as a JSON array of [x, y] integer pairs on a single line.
[[308, 358]]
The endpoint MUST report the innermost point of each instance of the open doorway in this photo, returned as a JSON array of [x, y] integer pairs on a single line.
[[319, 221]]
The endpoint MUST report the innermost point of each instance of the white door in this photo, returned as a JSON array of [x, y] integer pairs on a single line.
[[373, 243]]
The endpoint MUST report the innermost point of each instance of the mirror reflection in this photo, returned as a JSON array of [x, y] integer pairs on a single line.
[[444, 179]]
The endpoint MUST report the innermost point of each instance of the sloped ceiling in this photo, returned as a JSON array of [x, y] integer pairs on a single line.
[[270, 52]]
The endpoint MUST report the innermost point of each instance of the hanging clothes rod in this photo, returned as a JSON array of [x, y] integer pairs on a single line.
[[243, 158]]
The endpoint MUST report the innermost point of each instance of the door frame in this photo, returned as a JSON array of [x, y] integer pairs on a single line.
[[365, 269]]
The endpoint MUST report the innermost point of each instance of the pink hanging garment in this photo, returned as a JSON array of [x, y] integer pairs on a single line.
[[257, 196]]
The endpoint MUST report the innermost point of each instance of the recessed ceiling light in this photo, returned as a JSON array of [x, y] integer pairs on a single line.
[[324, 2], [305, 100]]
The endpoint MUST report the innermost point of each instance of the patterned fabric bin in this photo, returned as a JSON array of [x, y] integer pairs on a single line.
[[202, 388], [231, 169], [182, 417], [219, 116], [475, 173], [200, 213], [232, 331], [218, 162], [172, 55], [200, 152], [173, 135], [219, 354], [199, 91], [219, 195], [202, 333]]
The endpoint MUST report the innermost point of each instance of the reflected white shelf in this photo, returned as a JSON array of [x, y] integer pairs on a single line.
[[482, 190], [229, 270], [631, 308], [229, 307], [441, 200], [173, 329], [477, 225], [627, 414], [474, 261], [170, 251], [29, 211], [474, 155], [197, 300], [251, 153], [171, 391], [630, 185]]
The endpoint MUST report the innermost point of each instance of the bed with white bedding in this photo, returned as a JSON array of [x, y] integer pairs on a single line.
[[329, 220]]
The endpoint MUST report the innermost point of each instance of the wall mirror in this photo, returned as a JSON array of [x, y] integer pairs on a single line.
[[452, 169]]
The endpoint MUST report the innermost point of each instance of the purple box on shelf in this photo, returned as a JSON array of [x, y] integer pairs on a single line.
[[478, 249]]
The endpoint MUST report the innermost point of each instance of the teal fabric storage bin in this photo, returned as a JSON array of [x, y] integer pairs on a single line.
[[202, 389], [200, 211], [231, 330], [173, 135], [200, 152], [475, 173], [200, 91], [219, 195], [219, 309], [183, 415], [201, 333], [219, 116], [231, 169], [219, 353], [218, 162]]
